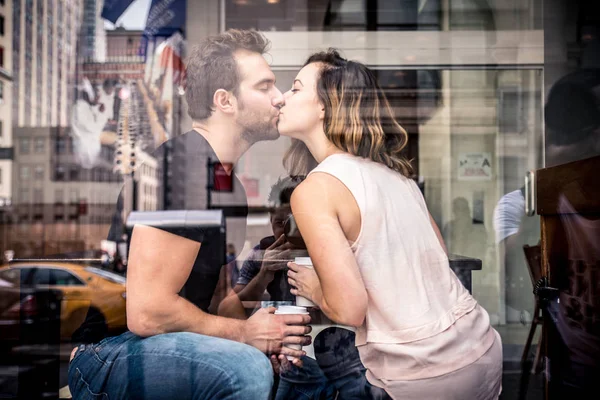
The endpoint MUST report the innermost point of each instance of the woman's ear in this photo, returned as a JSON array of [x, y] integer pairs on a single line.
[[224, 101], [321, 112]]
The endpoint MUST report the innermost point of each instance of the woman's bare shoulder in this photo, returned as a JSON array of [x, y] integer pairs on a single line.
[[320, 190]]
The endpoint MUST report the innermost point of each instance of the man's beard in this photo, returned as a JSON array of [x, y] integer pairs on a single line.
[[255, 128]]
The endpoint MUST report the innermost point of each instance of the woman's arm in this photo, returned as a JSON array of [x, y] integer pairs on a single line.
[[315, 205]]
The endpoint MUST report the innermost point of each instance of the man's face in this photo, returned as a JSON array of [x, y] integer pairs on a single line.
[[258, 98], [278, 218]]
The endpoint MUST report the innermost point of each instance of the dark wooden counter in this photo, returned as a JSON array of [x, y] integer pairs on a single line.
[[463, 266]]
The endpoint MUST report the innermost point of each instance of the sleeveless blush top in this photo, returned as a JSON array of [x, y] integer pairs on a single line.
[[421, 322]]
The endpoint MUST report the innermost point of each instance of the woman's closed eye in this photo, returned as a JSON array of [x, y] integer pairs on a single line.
[[294, 90]]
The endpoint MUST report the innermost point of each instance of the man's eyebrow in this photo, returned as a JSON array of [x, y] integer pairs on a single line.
[[298, 80], [263, 81]]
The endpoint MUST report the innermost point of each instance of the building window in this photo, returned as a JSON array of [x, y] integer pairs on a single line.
[[2, 25], [0, 176], [334, 15], [24, 195], [60, 174], [61, 146], [59, 197], [1, 128], [74, 176], [2, 56], [24, 145], [38, 174], [38, 196], [24, 172], [39, 145], [1, 91]]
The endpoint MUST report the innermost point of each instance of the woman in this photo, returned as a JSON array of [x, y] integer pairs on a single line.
[[380, 263]]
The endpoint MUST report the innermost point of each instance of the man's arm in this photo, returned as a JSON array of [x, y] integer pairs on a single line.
[[159, 265]]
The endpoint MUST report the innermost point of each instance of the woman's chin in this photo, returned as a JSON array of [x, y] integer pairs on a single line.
[[283, 131]]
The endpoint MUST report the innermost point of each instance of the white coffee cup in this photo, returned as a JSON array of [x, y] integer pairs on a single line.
[[305, 262], [291, 310]]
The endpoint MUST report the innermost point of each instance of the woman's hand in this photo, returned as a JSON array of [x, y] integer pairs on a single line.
[[305, 283]]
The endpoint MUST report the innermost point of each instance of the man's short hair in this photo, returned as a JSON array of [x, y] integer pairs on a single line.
[[281, 191], [211, 66]]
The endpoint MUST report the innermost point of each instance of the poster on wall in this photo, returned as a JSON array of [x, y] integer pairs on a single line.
[[475, 166]]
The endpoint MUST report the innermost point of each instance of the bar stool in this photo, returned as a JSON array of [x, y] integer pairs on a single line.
[[534, 262]]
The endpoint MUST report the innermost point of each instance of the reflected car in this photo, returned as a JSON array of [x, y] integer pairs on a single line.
[[65, 300]]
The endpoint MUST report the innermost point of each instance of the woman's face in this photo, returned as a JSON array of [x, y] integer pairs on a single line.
[[302, 113]]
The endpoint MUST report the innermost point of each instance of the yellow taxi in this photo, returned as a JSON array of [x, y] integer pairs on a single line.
[[91, 300]]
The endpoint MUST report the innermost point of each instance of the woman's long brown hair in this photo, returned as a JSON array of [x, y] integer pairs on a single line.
[[358, 118]]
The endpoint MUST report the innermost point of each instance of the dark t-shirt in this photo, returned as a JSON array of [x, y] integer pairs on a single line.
[[185, 189]]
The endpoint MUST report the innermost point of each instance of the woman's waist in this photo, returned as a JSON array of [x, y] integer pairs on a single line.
[[386, 325], [460, 345]]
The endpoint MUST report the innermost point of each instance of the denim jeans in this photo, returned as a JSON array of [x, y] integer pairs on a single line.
[[169, 366], [337, 372]]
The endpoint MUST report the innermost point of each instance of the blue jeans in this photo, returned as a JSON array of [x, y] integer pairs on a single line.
[[337, 371], [169, 366]]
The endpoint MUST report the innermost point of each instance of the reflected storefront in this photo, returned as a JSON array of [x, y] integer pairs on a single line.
[[488, 91]]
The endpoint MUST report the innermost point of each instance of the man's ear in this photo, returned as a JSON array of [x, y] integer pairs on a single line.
[[224, 101]]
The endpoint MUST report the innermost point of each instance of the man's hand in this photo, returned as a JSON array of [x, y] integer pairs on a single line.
[[276, 257], [282, 365], [270, 333]]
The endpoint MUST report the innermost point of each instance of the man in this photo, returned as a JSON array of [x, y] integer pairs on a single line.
[[175, 349]]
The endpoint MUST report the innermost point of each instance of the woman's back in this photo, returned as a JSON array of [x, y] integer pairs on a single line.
[[421, 321]]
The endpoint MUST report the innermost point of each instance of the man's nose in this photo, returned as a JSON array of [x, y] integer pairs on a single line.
[[278, 100]]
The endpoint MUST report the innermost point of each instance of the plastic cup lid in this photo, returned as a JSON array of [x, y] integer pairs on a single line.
[[303, 261], [291, 310]]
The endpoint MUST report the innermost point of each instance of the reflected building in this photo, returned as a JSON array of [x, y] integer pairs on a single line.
[[44, 59], [125, 46], [92, 35], [59, 207], [6, 97]]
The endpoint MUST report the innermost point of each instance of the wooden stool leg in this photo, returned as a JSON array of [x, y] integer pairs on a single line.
[[537, 364], [534, 323]]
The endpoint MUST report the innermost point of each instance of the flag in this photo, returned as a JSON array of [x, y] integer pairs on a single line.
[[165, 18], [113, 9], [171, 58]]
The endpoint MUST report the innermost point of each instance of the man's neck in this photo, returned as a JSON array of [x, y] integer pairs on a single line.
[[225, 140]]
